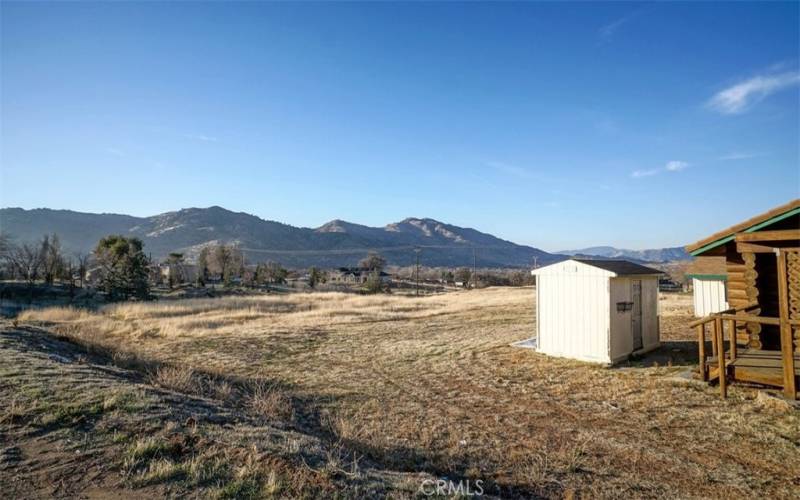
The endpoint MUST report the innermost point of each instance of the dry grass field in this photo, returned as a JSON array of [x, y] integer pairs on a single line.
[[383, 391]]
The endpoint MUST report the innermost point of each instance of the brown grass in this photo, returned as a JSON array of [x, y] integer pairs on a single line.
[[177, 378], [431, 384], [265, 399]]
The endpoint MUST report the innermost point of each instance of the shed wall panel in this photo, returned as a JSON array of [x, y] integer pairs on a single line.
[[650, 313], [573, 314], [621, 334], [621, 321], [709, 297]]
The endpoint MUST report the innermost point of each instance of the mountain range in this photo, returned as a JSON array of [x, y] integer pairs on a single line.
[[336, 243], [651, 255]]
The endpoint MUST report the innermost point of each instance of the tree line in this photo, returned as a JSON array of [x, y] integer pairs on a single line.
[[121, 263], [120, 268], [465, 277], [43, 260]]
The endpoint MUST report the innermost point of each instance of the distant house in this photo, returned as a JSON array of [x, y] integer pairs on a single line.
[[668, 285], [93, 276], [596, 310], [180, 273], [354, 275]]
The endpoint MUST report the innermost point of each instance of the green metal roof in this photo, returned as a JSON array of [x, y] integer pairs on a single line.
[[715, 277], [752, 229]]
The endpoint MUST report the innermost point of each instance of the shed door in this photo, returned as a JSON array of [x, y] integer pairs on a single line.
[[636, 314]]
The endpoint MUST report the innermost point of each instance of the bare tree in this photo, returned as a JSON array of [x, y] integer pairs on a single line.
[[373, 262], [26, 261], [222, 261], [5, 249], [202, 266], [82, 260], [271, 272], [228, 262], [463, 275], [177, 271], [5, 245], [52, 260]]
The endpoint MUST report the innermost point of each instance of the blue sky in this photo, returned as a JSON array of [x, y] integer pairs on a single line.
[[557, 125]]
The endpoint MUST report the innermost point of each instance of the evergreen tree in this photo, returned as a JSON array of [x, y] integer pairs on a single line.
[[374, 283], [124, 267], [314, 277]]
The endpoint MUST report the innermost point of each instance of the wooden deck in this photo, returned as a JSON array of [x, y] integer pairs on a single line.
[[754, 365]]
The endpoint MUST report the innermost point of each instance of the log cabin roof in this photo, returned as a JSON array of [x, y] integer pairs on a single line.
[[752, 224]]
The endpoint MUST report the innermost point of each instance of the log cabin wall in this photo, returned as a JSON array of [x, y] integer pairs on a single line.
[[753, 278], [742, 290], [793, 289]]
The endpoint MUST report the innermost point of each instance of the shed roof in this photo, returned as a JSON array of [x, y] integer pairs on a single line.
[[613, 267], [620, 267], [750, 225]]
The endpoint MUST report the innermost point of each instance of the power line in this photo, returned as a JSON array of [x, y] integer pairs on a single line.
[[417, 251], [474, 261]]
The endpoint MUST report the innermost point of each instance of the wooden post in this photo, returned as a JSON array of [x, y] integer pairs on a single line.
[[714, 350], [723, 382], [732, 334], [787, 345], [701, 351]]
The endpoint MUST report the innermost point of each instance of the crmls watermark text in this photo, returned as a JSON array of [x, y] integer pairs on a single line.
[[445, 487]]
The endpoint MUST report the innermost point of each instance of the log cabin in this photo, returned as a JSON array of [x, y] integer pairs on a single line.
[[757, 339]]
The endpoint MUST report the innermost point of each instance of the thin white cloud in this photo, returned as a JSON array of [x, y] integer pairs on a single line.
[[740, 97], [636, 174], [511, 169], [670, 166], [675, 166], [115, 152], [607, 30], [737, 156], [200, 137]]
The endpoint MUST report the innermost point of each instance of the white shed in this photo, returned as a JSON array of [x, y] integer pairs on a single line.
[[596, 310], [709, 285], [710, 295]]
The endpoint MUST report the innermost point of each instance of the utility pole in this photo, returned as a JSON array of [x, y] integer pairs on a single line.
[[417, 250], [474, 276]]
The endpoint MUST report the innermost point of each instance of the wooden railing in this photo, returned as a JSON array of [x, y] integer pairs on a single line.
[[717, 340], [732, 316]]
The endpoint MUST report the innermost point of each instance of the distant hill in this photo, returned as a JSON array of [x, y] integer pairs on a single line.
[[651, 255], [337, 243]]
